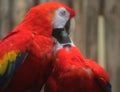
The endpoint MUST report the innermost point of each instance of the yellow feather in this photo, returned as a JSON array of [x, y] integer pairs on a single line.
[[9, 57]]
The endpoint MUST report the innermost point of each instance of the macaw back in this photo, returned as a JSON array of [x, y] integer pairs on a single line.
[[73, 73]]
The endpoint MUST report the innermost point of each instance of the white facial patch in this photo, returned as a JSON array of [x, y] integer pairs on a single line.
[[61, 18]]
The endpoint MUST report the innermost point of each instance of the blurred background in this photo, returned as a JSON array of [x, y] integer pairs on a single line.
[[97, 29]]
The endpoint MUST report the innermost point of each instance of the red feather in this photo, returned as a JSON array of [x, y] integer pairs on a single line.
[[32, 35], [73, 73]]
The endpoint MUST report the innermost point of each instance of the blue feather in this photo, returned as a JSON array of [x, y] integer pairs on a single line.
[[109, 87], [20, 59], [11, 68]]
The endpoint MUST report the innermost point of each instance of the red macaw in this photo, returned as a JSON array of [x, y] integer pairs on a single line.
[[73, 73], [26, 52]]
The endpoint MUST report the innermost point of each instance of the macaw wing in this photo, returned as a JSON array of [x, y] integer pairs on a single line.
[[101, 76], [13, 52], [104, 86], [8, 66]]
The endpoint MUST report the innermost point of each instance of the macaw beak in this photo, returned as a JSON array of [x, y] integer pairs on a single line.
[[62, 34]]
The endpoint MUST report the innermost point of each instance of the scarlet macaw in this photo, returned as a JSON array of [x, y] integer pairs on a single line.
[[73, 73], [26, 52]]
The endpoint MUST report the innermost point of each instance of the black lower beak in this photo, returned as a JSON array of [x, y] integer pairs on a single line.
[[61, 35]]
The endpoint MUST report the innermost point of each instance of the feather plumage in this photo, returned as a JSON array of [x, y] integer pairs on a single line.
[[73, 73], [29, 46]]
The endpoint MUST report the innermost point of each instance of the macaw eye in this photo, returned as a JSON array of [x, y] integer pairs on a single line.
[[61, 18], [62, 12]]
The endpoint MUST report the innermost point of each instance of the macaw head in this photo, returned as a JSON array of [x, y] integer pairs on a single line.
[[50, 19]]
